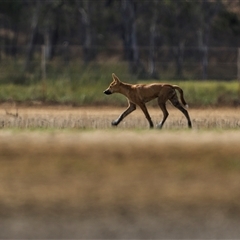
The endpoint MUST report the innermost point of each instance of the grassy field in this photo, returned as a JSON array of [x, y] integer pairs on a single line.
[[65, 117], [89, 92], [66, 173]]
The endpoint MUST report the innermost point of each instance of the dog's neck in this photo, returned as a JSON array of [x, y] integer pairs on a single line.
[[125, 88]]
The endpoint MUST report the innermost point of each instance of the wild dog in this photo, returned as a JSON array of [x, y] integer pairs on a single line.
[[139, 94]]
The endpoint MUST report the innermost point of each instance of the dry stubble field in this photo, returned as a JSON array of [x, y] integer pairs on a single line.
[[66, 173], [59, 117]]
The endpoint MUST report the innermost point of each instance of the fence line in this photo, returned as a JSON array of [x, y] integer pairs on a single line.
[[222, 62]]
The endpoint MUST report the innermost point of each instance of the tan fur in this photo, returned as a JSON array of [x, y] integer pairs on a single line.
[[139, 94]]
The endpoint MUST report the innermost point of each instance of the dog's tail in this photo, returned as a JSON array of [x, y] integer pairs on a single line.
[[181, 95]]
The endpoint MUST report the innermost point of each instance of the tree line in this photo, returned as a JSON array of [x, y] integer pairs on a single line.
[[132, 24]]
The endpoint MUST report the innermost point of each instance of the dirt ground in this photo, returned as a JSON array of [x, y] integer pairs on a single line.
[[67, 174]]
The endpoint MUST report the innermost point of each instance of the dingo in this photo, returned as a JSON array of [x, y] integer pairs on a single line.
[[139, 94]]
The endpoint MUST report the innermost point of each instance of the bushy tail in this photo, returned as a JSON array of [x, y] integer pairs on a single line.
[[181, 95]]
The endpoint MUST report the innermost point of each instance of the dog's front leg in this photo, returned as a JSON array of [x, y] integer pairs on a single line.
[[145, 111], [130, 109]]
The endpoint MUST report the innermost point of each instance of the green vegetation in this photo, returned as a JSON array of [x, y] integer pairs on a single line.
[[84, 85], [211, 93], [66, 92]]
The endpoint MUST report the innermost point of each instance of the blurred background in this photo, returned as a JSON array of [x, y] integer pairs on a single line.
[[148, 39], [64, 174]]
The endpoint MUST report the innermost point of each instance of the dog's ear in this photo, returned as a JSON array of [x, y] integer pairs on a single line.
[[115, 77]]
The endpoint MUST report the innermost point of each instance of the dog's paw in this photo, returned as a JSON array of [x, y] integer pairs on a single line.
[[114, 123]]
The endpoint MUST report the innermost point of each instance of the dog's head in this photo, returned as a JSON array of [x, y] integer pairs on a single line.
[[114, 85]]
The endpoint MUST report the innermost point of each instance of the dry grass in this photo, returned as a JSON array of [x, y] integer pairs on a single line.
[[120, 173], [100, 118]]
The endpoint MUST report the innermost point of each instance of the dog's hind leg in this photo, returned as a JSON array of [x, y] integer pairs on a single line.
[[174, 100], [162, 105], [130, 109]]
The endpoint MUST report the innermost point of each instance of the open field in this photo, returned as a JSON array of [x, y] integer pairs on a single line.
[[79, 178], [60, 117]]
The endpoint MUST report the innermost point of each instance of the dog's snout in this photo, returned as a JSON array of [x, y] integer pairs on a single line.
[[107, 92]]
